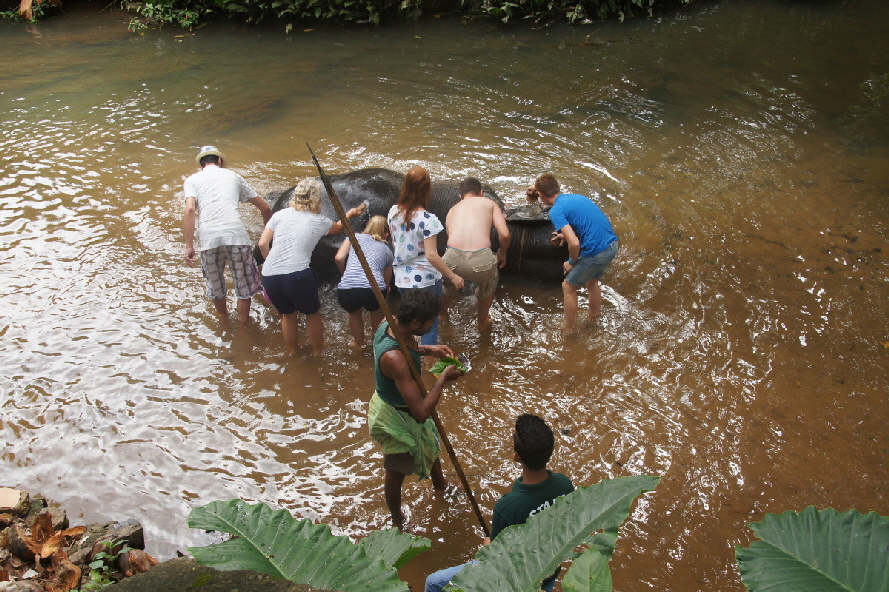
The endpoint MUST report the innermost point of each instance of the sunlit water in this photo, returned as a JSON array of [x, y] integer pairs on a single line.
[[738, 147]]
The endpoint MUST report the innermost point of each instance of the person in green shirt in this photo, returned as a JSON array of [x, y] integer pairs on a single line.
[[534, 491], [399, 416]]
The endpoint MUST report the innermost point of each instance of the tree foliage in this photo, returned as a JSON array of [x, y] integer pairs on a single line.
[[188, 13]]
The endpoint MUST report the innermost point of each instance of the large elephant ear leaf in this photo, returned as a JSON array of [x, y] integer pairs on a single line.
[[817, 551], [392, 547], [274, 543], [523, 555], [588, 573]]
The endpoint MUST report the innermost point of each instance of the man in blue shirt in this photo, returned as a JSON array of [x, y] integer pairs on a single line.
[[592, 243]]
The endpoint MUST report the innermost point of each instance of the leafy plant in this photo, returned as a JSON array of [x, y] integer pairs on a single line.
[[102, 566], [30, 10], [443, 363], [524, 555], [817, 551], [273, 542], [167, 13]]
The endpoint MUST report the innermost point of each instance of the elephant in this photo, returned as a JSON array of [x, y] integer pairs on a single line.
[[530, 254]]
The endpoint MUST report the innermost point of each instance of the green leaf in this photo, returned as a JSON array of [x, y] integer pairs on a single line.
[[274, 543], [588, 573], [817, 551], [392, 547], [523, 555], [443, 363]]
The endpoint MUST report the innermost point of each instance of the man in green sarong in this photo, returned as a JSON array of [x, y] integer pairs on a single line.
[[399, 416]]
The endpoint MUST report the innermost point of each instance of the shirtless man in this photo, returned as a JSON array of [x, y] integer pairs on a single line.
[[469, 252]]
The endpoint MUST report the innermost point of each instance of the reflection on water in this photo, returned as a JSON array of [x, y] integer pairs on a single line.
[[739, 149]]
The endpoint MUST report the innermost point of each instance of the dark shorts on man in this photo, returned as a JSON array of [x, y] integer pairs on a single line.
[[355, 299], [292, 292]]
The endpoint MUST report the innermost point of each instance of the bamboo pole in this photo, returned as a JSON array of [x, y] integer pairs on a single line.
[[415, 373]]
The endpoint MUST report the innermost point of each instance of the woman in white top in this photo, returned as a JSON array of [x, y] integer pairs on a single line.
[[354, 292], [414, 238], [289, 282]]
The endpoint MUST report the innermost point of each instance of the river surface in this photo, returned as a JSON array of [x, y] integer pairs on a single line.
[[739, 147]]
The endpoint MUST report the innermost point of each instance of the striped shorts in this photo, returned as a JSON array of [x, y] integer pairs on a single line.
[[244, 271]]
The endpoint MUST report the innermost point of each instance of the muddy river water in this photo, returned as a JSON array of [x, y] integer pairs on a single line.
[[739, 147]]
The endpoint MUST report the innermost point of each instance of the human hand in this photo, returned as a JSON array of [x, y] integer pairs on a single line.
[[452, 373], [567, 267], [501, 259], [190, 256], [557, 239], [458, 282], [438, 351]]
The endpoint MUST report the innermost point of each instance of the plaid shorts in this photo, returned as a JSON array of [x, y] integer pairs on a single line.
[[244, 271]]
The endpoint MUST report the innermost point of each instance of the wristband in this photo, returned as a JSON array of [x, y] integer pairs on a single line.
[[571, 262]]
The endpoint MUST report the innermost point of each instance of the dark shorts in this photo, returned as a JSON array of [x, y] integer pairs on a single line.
[[355, 299], [292, 292]]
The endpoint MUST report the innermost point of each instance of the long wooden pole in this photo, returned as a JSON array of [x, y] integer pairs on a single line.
[[402, 345]]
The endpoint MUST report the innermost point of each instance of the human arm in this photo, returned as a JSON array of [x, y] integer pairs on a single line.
[[388, 272], [337, 227], [263, 207], [573, 246], [189, 223], [430, 245], [341, 255], [503, 235], [394, 366], [265, 241], [437, 351]]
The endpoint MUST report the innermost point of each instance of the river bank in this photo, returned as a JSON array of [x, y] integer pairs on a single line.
[[41, 552]]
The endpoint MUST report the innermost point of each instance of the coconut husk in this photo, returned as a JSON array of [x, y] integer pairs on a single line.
[[65, 575], [61, 539], [25, 10], [22, 545], [135, 561]]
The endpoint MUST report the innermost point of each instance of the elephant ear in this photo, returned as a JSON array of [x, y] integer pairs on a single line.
[[817, 551], [523, 555], [274, 543]]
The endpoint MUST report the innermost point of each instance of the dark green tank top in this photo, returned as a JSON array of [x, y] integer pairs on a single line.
[[386, 386]]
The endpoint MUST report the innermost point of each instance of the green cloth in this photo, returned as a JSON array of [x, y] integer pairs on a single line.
[[397, 432]]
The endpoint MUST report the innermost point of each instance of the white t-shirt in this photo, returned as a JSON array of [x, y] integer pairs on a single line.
[[296, 235], [217, 192]]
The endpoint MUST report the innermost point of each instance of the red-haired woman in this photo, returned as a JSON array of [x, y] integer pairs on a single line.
[[414, 232]]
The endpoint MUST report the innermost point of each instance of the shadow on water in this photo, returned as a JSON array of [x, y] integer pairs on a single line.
[[739, 148]]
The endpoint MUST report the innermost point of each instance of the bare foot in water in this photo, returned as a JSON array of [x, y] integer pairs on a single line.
[[485, 325]]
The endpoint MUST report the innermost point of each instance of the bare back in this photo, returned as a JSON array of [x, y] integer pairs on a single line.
[[469, 223]]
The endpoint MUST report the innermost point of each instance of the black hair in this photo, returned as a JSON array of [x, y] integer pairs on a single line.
[[418, 305], [209, 159], [469, 185], [533, 441]]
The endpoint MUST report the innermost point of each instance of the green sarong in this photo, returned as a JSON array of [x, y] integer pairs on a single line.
[[398, 432]]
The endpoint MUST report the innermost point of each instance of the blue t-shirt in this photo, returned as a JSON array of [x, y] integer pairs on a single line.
[[591, 226]]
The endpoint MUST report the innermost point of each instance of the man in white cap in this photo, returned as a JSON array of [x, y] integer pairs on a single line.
[[215, 192]]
